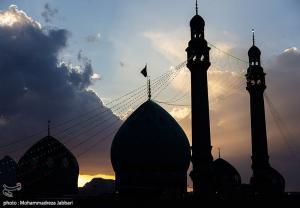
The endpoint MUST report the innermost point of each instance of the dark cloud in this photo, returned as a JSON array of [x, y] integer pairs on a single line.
[[49, 12], [122, 64], [35, 87], [283, 76], [93, 38]]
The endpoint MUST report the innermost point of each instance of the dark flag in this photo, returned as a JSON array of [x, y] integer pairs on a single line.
[[144, 71]]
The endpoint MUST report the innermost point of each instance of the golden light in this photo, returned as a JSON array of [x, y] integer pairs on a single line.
[[13, 17], [83, 179], [8, 19]]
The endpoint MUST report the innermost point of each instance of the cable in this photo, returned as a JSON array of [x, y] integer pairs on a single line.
[[60, 124], [115, 118], [179, 98], [228, 54], [164, 76], [99, 141], [78, 123], [166, 84], [280, 126], [172, 104]]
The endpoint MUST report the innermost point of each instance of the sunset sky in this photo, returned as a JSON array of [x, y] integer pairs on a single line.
[[100, 47]]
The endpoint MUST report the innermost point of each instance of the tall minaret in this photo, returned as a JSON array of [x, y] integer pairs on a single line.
[[198, 63], [265, 179]]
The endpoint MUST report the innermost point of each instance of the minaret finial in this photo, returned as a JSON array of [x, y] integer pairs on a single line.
[[253, 38], [196, 7], [219, 149], [49, 127]]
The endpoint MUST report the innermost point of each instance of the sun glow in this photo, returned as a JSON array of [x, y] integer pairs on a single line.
[[8, 19], [15, 17], [83, 179]]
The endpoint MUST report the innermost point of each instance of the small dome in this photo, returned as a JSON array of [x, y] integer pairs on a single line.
[[48, 168], [197, 22], [8, 169], [150, 139], [268, 181], [225, 173], [254, 52]]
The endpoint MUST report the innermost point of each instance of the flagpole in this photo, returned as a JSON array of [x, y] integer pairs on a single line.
[[149, 88], [144, 72]]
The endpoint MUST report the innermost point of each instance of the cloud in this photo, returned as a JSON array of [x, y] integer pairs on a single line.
[[85, 74], [93, 38], [181, 81], [96, 76], [180, 113], [283, 84], [49, 13], [16, 18], [122, 64], [283, 75], [290, 50], [221, 84], [35, 87], [172, 45], [224, 46]]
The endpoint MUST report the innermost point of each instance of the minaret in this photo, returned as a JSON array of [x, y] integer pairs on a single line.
[[198, 64], [265, 179]]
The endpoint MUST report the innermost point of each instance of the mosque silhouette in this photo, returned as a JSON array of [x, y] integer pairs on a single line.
[[151, 154]]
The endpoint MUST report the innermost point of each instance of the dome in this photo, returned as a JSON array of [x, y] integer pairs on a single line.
[[197, 22], [7, 171], [150, 139], [268, 181], [48, 168], [150, 151], [254, 52], [226, 175]]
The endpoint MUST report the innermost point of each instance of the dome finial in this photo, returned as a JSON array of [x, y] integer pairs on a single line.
[[196, 7], [253, 38], [219, 149], [49, 127], [149, 88]]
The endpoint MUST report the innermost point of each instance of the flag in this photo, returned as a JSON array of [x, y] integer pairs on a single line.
[[144, 71]]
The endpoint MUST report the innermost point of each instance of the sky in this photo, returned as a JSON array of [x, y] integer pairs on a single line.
[[90, 52]]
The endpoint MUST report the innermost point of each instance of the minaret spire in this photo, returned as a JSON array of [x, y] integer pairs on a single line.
[[49, 127], [196, 7], [253, 37]]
